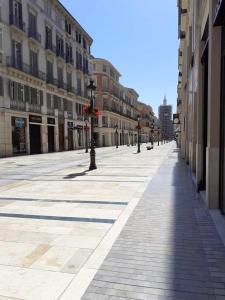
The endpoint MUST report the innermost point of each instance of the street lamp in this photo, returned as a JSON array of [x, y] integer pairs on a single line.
[[116, 127], [86, 135], [152, 131], [158, 134], [91, 87], [138, 128]]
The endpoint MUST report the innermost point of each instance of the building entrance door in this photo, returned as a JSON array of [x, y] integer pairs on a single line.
[[51, 139], [61, 137], [70, 139], [35, 139]]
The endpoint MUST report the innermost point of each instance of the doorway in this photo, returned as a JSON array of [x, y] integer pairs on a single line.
[[61, 137], [35, 139], [51, 139]]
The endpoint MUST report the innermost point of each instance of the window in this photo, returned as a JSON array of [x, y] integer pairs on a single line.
[[69, 53], [79, 86], [67, 27], [84, 43], [104, 68], [60, 76], [48, 37], [32, 25], [33, 63], [17, 54], [78, 37], [78, 61], [16, 17], [49, 101], [16, 91], [69, 81], [59, 46], [47, 8], [49, 71]]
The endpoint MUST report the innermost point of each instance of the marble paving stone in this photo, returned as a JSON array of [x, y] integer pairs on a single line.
[[46, 253], [77, 261], [32, 284], [54, 259]]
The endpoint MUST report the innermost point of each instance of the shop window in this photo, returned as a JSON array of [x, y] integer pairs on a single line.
[[19, 135]]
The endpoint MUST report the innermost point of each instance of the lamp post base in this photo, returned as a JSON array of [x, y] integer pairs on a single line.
[[92, 160]]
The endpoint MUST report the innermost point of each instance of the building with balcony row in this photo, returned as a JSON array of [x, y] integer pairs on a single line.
[[45, 68], [117, 105], [201, 95], [44, 71]]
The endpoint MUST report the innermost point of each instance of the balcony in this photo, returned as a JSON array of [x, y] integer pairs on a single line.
[[35, 108], [49, 46], [17, 22], [50, 111], [70, 89], [33, 34], [51, 80], [62, 85], [60, 54], [17, 64], [21, 106], [69, 60]]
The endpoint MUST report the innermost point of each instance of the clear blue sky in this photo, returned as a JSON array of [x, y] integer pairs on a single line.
[[139, 37]]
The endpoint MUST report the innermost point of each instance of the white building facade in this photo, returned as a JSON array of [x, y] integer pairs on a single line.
[[44, 72]]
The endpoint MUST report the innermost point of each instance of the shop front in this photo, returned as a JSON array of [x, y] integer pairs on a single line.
[[51, 134], [70, 135], [35, 123], [61, 135], [18, 135]]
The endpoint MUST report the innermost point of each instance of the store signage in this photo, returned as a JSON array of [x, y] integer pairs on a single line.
[[51, 121], [219, 13], [35, 119], [19, 122]]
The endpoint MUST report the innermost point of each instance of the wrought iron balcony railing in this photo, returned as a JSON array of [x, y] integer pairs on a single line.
[[17, 21], [34, 35], [26, 68]]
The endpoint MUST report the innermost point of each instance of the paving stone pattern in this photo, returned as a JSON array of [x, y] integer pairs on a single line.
[[169, 248]]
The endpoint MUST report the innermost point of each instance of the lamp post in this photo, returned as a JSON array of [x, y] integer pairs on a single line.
[[158, 134], [116, 127], [91, 87], [86, 135], [138, 128], [152, 131]]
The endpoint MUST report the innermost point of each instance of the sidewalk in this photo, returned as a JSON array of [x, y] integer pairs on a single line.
[[169, 248]]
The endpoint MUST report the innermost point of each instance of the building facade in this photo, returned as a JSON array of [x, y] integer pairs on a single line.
[[147, 122], [165, 118], [44, 71], [201, 90], [117, 105]]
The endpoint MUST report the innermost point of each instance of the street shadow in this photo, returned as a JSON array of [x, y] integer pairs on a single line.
[[74, 175]]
